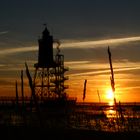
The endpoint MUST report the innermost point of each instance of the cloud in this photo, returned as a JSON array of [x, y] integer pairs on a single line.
[[5, 82], [75, 44], [102, 43], [105, 71], [3, 32], [17, 50]]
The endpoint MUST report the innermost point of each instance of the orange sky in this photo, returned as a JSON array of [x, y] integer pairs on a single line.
[[86, 60], [85, 30]]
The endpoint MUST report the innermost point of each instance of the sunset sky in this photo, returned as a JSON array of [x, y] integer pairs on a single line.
[[85, 29]]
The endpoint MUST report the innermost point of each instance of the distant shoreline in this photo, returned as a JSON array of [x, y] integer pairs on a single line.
[[13, 98]]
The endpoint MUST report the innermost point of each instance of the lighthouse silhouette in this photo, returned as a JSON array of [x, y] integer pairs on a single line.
[[49, 73]]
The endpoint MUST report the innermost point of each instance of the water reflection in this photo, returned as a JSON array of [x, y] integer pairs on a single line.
[[111, 103], [110, 113], [96, 116]]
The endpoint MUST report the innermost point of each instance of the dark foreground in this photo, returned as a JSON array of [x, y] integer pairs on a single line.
[[61, 134]]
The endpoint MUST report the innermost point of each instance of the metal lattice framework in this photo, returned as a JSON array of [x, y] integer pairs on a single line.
[[49, 82], [49, 71]]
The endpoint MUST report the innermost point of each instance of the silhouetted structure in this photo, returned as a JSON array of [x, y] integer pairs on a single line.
[[49, 106], [45, 54], [49, 71]]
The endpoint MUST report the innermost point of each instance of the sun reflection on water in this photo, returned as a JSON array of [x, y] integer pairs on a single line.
[[110, 113], [111, 103]]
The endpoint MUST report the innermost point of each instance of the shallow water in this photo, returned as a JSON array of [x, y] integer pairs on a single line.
[[92, 116]]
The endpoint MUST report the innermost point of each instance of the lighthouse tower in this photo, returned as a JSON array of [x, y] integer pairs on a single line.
[[49, 70]]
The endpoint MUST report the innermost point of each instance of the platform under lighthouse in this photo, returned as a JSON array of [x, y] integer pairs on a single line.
[[49, 76]]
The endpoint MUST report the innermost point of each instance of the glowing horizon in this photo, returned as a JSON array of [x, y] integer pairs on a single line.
[[83, 69]]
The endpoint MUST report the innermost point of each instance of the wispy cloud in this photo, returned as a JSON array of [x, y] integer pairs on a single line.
[[17, 50], [102, 43], [76, 44], [3, 32], [104, 71]]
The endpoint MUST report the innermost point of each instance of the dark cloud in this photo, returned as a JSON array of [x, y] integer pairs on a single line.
[[5, 82], [70, 19]]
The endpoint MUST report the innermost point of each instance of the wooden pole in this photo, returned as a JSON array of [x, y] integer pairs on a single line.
[[84, 92], [33, 93], [99, 96], [17, 104], [22, 89]]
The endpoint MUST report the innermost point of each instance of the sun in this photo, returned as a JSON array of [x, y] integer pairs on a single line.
[[109, 94]]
